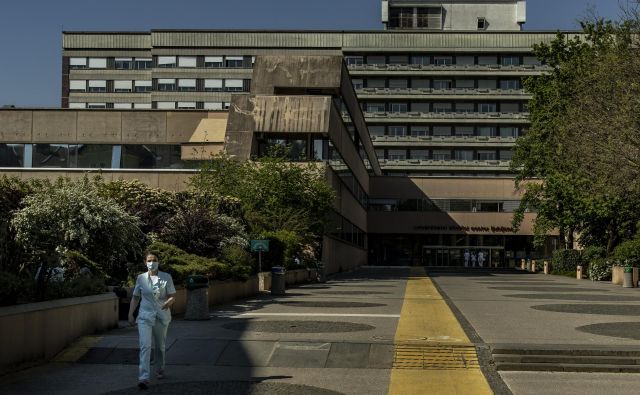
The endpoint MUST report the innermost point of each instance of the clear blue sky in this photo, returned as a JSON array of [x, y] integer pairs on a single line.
[[30, 30]]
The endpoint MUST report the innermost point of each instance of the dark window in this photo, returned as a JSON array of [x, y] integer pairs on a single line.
[[151, 157], [51, 155], [11, 155], [92, 156]]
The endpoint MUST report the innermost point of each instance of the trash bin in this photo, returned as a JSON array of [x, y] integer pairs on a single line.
[[197, 298], [322, 277], [628, 277], [277, 280]]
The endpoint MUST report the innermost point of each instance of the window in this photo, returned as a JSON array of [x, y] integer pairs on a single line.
[[166, 105], [121, 106], [398, 59], [358, 83], [375, 83], [487, 60], [421, 60], [375, 107], [442, 131], [233, 85], [443, 60], [465, 60], [419, 131], [531, 60], [97, 63], [77, 85], [142, 106], [124, 63], [420, 107], [510, 107], [226, 105], [487, 107], [77, 105], [187, 61], [213, 106], [234, 61], [422, 154], [398, 83], [97, 105], [186, 84], [401, 17], [465, 107], [186, 105], [442, 84], [429, 18], [78, 63], [376, 131], [465, 84], [166, 84], [464, 155], [420, 83], [508, 131], [97, 86], [441, 154], [380, 154], [142, 86], [143, 63], [486, 155], [488, 131], [441, 107], [397, 154], [506, 155], [122, 86], [511, 60], [91, 156], [12, 155], [399, 107], [482, 24], [510, 84], [464, 131], [352, 60], [487, 84], [151, 157], [376, 60], [213, 85], [166, 61], [51, 156], [213, 62], [398, 131]]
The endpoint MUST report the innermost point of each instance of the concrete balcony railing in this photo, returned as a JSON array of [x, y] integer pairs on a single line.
[[448, 165], [446, 68], [482, 141], [446, 117], [455, 93]]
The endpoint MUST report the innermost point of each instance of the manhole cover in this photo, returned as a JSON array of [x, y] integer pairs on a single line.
[[330, 304], [436, 357], [625, 330], [585, 297], [297, 326], [601, 309], [549, 289], [228, 388], [353, 293]]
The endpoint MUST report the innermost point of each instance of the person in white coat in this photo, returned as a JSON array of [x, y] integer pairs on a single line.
[[481, 259], [155, 293]]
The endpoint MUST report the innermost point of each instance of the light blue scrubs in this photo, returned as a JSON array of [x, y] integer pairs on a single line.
[[153, 321]]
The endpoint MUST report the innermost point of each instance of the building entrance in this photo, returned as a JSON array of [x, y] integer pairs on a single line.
[[446, 256]]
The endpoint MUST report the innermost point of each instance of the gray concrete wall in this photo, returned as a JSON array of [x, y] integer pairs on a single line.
[[38, 331], [320, 72], [339, 256]]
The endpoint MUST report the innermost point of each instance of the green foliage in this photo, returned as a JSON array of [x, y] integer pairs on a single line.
[[71, 215], [181, 264], [284, 245], [600, 269], [565, 261], [11, 288], [152, 205], [76, 265], [592, 253], [628, 251], [12, 191], [240, 260]]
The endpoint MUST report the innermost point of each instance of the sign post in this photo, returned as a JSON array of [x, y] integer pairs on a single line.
[[260, 246]]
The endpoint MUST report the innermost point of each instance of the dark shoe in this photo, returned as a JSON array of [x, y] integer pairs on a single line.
[[143, 385]]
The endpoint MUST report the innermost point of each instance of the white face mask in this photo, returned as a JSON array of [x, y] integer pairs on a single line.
[[153, 266]]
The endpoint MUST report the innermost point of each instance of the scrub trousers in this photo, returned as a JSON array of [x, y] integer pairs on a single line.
[[152, 332]]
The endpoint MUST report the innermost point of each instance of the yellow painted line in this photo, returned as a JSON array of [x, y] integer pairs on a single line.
[[430, 327], [75, 351]]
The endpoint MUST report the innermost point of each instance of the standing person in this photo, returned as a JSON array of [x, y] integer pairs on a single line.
[[467, 256], [155, 293], [481, 259], [473, 259]]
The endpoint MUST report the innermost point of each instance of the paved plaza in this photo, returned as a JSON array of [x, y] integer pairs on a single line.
[[373, 331]]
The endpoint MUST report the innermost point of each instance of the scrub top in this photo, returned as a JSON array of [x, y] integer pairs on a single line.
[[153, 294]]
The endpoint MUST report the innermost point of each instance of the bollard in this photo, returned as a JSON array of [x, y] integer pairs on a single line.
[[528, 265], [533, 266], [523, 264], [579, 273], [546, 267]]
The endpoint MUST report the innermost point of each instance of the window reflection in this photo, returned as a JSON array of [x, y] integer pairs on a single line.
[[149, 156], [51, 156], [11, 155]]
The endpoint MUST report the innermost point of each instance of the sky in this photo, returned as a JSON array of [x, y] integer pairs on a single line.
[[31, 40]]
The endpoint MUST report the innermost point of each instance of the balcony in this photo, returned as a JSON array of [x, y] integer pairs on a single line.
[[447, 117], [442, 141], [445, 165], [431, 93], [433, 69]]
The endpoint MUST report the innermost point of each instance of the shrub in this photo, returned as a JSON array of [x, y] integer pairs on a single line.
[[240, 260], [12, 191], [628, 251], [11, 288], [74, 288], [565, 261], [592, 253], [76, 264], [283, 246], [600, 269], [72, 216]]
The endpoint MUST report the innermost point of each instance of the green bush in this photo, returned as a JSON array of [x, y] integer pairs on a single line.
[[565, 261], [283, 246], [592, 253], [75, 262], [240, 260], [12, 191], [11, 288], [628, 251], [600, 269], [180, 264], [74, 288]]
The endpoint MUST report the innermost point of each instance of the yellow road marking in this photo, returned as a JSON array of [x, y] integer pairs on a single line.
[[75, 351], [433, 354]]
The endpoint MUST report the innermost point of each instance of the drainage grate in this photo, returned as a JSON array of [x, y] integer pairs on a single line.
[[435, 357]]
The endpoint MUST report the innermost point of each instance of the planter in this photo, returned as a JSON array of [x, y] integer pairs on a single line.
[[617, 275]]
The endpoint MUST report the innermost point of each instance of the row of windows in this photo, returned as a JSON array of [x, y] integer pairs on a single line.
[[93, 156], [445, 205], [130, 63], [161, 105], [343, 229], [437, 83], [446, 131], [161, 84], [444, 154], [442, 60], [445, 107]]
